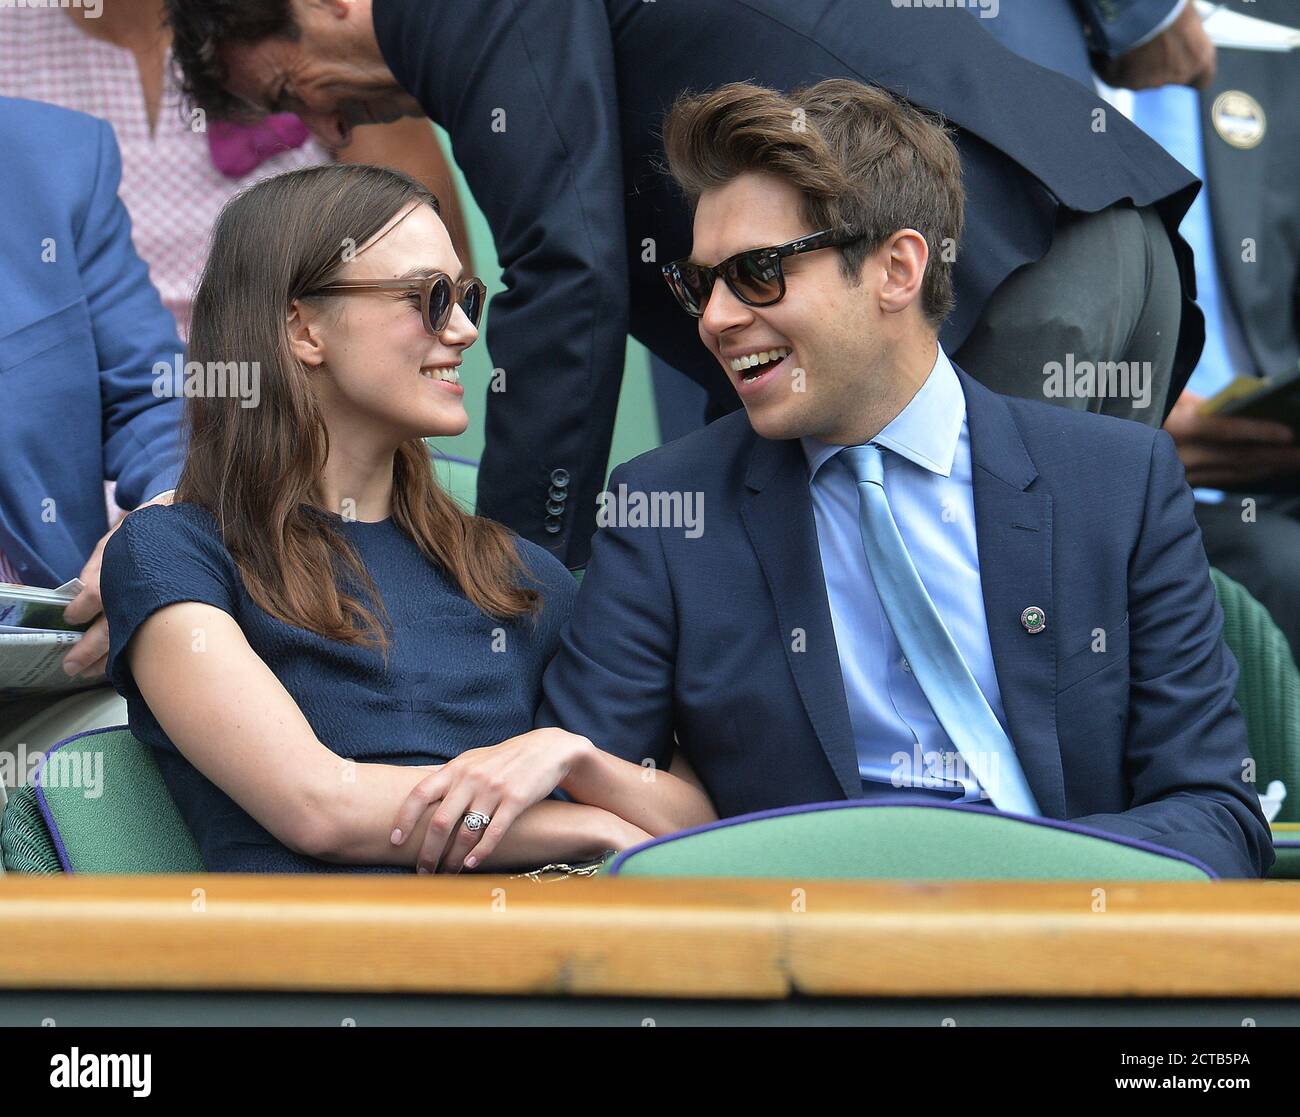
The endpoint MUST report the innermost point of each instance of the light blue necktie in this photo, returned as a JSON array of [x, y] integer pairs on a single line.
[[935, 663]]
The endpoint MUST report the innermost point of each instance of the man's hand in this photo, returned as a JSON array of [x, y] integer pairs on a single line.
[[1226, 452], [1182, 54], [501, 781], [89, 655]]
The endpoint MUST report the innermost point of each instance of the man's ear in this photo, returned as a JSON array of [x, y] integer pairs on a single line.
[[904, 257], [303, 324], [339, 9]]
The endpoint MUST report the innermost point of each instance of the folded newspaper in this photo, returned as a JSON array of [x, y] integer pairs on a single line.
[[34, 638], [1236, 31]]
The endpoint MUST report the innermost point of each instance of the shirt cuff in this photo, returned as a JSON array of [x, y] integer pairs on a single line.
[[1161, 27]]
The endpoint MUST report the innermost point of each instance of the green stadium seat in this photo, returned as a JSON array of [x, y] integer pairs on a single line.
[[1268, 691], [24, 838], [904, 840], [98, 804]]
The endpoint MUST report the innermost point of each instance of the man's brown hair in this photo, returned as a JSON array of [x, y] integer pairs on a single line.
[[865, 161]]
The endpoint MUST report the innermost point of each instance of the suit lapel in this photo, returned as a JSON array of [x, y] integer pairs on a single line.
[[777, 512], [1013, 530]]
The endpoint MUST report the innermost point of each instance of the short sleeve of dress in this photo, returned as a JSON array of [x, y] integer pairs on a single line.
[[161, 556]]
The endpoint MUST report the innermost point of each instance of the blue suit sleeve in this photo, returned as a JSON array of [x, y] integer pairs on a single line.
[[1186, 747], [1117, 26], [132, 331], [537, 131], [612, 678]]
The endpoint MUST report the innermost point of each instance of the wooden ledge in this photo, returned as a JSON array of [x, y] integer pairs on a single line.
[[698, 938]]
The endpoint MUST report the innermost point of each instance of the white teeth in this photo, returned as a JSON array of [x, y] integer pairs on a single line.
[[451, 375], [739, 364]]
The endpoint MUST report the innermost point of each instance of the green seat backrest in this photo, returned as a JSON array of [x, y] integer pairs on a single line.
[[1286, 845], [1268, 690], [108, 809], [24, 837], [887, 841]]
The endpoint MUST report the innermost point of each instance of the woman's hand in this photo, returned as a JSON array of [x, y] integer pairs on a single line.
[[501, 781]]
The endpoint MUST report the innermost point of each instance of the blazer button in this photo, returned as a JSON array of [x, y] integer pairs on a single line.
[[560, 478], [552, 524], [558, 493], [555, 507]]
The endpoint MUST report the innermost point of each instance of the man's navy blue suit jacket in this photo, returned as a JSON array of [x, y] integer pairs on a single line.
[[726, 639]]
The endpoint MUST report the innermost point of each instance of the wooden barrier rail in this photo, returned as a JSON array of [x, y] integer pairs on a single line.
[[691, 939]]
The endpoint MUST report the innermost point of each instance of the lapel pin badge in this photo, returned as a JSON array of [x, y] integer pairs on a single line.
[[1034, 620]]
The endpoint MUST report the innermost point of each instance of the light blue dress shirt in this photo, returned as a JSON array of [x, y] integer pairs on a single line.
[[928, 483]]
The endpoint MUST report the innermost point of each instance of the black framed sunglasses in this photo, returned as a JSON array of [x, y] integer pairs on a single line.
[[754, 277], [439, 293]]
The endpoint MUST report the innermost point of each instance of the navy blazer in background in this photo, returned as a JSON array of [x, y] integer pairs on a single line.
[[726, 639], [555, 111], [81, 328]]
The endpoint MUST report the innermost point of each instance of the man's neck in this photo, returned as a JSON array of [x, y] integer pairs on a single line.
[[893, 385]]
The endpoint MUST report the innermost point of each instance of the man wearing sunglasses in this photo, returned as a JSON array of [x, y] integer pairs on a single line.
[[554, 111], [901, 583]]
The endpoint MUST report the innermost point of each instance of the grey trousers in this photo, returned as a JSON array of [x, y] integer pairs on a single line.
[[1093, 325]]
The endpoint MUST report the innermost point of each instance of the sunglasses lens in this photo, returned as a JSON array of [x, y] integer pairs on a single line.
[[692, 287], [440, 296], [471, 302], [756, 277]]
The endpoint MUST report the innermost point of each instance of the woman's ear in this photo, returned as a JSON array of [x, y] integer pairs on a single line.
[[303, 325]]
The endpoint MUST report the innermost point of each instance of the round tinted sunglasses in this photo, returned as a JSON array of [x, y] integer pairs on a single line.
[[754, 277], [439, 293]]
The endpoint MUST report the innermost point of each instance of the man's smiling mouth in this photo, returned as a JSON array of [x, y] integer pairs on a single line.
[[750, 366]]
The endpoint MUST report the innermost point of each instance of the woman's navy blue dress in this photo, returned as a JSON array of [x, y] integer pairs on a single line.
[[456, 678]]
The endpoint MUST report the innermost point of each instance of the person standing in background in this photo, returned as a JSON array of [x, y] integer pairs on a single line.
[[1231, 117], [178, 170], [554, 111], [1242, 136]]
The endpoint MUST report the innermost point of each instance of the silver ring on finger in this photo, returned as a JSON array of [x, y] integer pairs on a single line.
[[474, 821]]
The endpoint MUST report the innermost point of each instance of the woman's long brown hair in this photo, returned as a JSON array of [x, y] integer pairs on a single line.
[[257, 469]]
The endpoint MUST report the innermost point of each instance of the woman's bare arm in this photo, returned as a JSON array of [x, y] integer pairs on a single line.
[[229, 715]]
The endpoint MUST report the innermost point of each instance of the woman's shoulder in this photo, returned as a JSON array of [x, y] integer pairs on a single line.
[[168, 535], [171, 521]]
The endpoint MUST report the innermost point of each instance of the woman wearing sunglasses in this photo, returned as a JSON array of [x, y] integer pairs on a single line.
[[314, 625]]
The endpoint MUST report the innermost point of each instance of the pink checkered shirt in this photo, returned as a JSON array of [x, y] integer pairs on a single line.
[[7, 572], [169, 185]]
